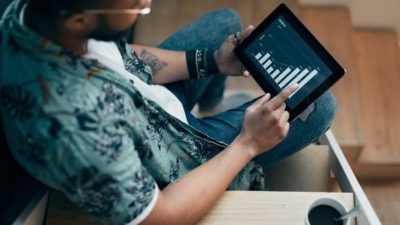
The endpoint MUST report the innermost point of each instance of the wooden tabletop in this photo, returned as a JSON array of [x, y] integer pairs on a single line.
[[254, 208]]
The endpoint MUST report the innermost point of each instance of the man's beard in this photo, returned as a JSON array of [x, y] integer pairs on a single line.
[[105, 33]]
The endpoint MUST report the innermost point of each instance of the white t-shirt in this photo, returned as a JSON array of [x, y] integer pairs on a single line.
[[108, 54]]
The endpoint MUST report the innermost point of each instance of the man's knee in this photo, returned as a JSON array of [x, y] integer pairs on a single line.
[[321, 114], [328, 107], [230, 19]]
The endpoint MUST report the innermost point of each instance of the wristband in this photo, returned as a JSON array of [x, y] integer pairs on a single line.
[[201, 63]]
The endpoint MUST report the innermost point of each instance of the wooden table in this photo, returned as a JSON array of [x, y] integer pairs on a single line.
[[256, 208], [286, 208]]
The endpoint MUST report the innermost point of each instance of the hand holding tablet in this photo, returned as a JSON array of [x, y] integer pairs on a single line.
[[281, 52]]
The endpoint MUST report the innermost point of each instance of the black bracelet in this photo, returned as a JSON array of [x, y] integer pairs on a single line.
[[201, 63], [212, 63]]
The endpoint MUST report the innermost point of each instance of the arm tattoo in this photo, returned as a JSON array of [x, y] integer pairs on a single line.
[[153, 61]]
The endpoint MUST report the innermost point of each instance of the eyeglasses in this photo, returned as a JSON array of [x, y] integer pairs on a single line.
[[144, 8]]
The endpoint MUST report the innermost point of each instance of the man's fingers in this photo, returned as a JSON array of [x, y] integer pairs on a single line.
[[240, 35], [246, 32], [285, 117], [261, 101], [279, 111], [287, 127], [283, 96]]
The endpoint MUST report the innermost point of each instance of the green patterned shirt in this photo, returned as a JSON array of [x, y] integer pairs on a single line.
[[81, 128]]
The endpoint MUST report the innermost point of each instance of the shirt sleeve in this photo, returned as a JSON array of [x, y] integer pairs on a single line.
[[134, 64], [101, 172], [94, 161]]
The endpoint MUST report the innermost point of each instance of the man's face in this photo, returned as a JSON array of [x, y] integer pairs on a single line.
[[112, 27]]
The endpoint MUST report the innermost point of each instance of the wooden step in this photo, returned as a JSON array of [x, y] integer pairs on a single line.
[[298, 173], [377, 59], [376, 170], [333, 27], [169, 16], [384, 196]]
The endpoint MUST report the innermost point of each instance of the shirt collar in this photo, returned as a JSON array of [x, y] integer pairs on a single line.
[[22, 15], [17, 33]]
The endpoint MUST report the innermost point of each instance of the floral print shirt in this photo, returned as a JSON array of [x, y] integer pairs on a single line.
[[80, 128]]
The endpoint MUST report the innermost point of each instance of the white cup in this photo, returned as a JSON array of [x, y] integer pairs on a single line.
[[334, 203]]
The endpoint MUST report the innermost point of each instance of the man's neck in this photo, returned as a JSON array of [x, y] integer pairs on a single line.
[[76, 44]]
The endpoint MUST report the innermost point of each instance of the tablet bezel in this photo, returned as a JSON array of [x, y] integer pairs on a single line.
[[337, 70]]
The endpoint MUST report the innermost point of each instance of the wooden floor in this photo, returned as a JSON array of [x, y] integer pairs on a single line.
[[384, 196]]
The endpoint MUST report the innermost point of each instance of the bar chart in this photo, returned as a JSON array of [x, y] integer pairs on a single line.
[[287, 76], [282, 56]]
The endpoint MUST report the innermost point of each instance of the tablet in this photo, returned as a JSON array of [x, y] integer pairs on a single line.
[[280, 52]]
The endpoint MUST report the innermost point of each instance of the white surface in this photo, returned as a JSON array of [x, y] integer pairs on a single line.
[[348, 181], [264, 207]]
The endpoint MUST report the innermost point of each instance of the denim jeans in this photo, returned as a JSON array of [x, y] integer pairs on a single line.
[[209, 31]]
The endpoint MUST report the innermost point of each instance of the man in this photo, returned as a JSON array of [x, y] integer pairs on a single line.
[[109, 124]]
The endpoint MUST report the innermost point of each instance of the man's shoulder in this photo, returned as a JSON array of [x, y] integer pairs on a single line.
[[42, 85]]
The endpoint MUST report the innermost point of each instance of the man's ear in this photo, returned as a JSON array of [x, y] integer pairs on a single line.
[[80, 22]]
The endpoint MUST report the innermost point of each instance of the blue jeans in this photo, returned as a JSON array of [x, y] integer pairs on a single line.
[[210, 31]]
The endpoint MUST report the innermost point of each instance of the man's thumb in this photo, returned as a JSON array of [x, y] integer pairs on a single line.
[[246, 33]]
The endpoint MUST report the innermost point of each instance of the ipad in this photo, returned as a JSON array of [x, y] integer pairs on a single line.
[[282, 51]]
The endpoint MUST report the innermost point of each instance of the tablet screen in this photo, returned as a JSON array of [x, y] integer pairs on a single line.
[[283, 57]]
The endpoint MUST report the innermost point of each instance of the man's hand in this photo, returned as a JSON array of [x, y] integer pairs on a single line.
[[266, 123], [226, 60]]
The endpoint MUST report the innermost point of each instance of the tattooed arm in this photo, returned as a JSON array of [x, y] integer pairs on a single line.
[[167, 66], [170, 66]]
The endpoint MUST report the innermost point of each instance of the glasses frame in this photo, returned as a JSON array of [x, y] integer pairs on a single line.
[[144, 11]]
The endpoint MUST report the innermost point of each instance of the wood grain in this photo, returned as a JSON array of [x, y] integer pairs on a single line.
[[256, 208], [235, 207], [384, 196], [377, 58], [297, 173]]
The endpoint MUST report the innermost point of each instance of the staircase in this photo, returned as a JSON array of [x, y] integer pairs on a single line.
[[377, 58], [334, 29], [366, 125]]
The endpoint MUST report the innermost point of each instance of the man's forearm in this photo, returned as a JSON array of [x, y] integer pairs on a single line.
[[187, 200], [168, 66]]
